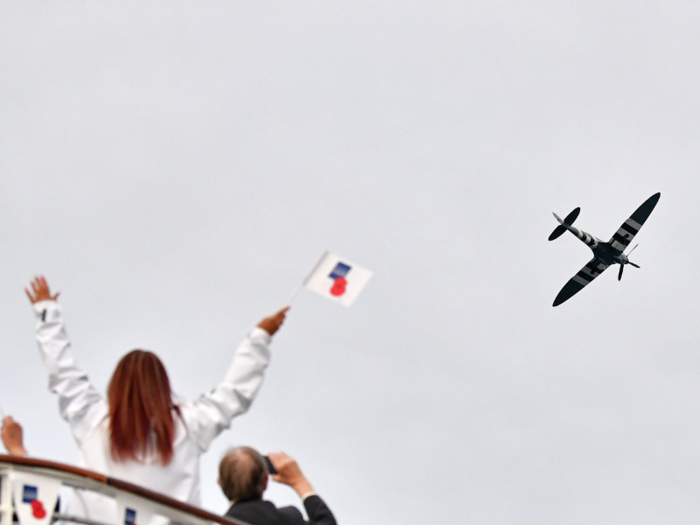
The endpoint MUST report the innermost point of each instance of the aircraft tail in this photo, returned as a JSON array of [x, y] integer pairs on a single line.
[[568, 221]]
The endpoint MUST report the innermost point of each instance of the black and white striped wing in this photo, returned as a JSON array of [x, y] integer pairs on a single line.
[[624, 235], [585, 275]]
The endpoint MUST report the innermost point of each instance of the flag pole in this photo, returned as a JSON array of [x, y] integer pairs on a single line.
[[306, 279], [293, 296]]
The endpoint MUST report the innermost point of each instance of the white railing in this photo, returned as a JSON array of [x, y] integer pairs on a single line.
[[20, 477]]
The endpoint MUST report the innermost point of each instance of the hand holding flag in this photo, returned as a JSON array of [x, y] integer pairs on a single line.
[[272, 324]]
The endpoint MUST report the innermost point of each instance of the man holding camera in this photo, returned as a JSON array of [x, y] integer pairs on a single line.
[[243, 476]]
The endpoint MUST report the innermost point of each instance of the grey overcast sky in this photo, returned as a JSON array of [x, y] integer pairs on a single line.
[[175, 168]]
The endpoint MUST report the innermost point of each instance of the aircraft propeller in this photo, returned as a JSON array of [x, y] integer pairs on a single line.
[[627, 261]]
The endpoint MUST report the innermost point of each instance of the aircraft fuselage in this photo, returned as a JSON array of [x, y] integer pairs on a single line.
[[602, 250]]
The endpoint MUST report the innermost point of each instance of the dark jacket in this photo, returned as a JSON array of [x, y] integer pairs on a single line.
[[261, 512]]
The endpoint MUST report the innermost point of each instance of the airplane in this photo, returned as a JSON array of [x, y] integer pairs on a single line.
[[604, 253]]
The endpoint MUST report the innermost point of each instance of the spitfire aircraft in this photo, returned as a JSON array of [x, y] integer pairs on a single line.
[[604, 253]]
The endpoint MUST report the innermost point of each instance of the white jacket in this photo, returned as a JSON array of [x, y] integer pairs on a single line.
[[87, 413]]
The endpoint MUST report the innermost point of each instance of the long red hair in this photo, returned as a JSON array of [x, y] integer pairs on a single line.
[[141, 409]]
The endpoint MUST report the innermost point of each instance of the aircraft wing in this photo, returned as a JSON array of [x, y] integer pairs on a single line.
[[585, 275], [624, 235]]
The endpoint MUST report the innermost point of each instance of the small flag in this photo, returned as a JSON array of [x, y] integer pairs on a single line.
[[35, 497], [30, 494], [338, 279], [132, 510]]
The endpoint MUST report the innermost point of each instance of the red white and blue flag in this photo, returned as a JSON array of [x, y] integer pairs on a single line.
[[35, 497], [338, 279], [132, 510]]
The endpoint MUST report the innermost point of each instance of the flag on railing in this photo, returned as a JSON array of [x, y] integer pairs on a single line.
[[35, 497], [132, 510]]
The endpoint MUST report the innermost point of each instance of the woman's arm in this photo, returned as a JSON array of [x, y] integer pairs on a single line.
[[77, 398], [215, 410]]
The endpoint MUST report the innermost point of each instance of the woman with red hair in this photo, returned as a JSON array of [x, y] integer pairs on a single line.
[[140, 433]]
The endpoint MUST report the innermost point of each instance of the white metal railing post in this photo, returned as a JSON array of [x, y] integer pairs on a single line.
[[5, 497]]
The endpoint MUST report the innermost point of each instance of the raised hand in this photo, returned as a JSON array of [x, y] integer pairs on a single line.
[[289, 473], [41, 291], [272, 324], [12, 437]]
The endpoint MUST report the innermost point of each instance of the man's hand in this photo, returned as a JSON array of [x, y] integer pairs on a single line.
[[272, 324], [289, 473], [11, 435], [41, 291]]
